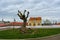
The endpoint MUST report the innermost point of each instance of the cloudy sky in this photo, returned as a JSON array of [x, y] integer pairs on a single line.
[[47, 9]]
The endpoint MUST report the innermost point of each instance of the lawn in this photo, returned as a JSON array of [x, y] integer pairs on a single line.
[[41, 32]]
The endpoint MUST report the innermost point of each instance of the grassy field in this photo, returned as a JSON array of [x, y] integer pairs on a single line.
[[41, 32]]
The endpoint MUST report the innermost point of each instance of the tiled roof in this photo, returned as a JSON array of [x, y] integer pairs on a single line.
[[16, 24], [13, 24], [1, 25], [35, 18]]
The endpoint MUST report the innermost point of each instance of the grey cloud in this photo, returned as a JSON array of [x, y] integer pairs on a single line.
[[36, 7]]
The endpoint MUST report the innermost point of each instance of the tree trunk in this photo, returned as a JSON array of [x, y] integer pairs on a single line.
[[23, 28], [24, 23]]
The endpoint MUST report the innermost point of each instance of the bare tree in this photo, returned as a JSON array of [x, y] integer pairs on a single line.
[[22, 16]]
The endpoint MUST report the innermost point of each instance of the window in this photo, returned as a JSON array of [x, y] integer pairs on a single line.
[[34, 24], [29, 24], [38, 23]]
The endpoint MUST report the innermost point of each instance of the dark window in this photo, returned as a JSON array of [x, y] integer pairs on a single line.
[[34, 24], [29, 24], [38, 23]]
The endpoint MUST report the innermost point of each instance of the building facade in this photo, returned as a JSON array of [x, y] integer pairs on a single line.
[[34, 21]]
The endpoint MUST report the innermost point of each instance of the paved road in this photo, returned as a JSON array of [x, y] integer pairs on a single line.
[[51, 26], [54, 37]]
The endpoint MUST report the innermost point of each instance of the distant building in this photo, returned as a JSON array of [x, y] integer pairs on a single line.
[[16, 24], [57, 23], [2, 25], [1, 22], [47, 22], [34, 21], [4, 22]]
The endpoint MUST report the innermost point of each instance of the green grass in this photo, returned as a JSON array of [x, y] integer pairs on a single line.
[[15, 34]]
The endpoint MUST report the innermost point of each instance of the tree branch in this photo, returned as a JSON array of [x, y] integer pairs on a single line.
[[20, 13], [24, 12], [27, 14]]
